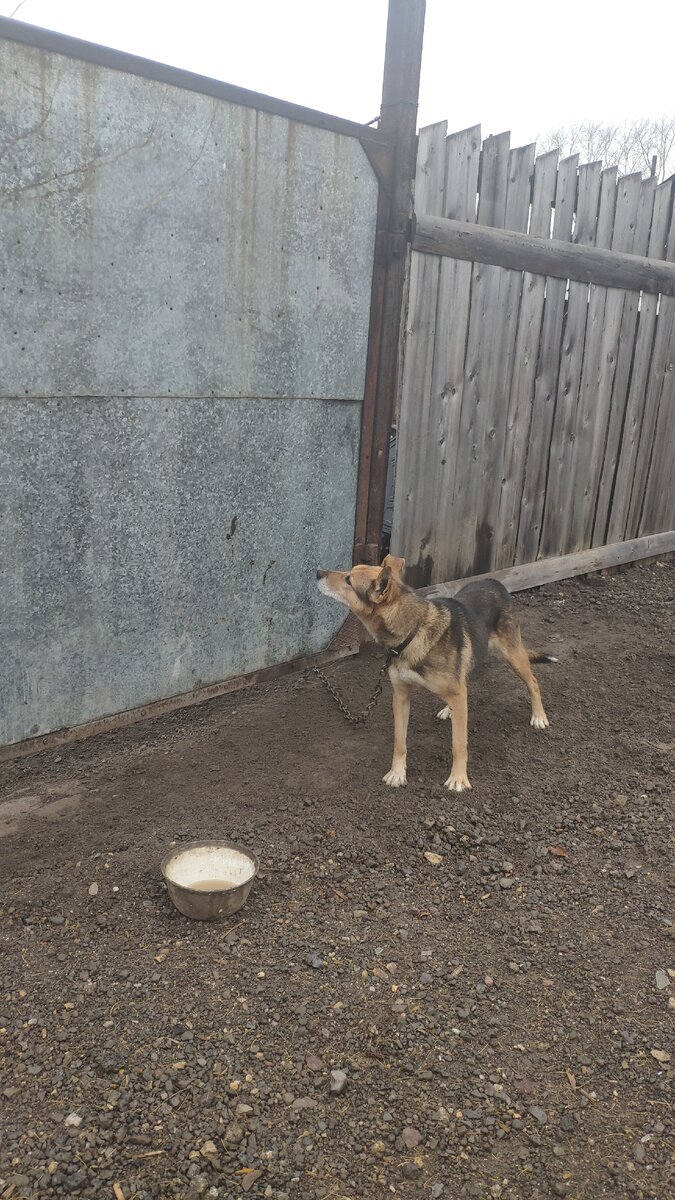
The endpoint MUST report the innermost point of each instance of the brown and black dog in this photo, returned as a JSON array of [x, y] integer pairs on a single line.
[[434, 644]]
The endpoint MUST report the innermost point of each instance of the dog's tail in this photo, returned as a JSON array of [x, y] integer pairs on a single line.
[[536, 656]]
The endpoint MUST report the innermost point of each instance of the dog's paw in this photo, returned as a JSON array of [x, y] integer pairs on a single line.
[[539, 722], [444, 714], [458, 782], [396, 777]]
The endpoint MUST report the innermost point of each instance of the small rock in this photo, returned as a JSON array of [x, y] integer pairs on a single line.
[[314, 1063], [662, 980], [506, 882], [437, 1190], [338, 1082], [303, 1103], [639, 1153], [72, 1121], [209, 1150], [249, 1179], [314, 961], [411, 1137], [539, 1114], [434, 859], [197, 1187], [661, 1056], [93, 889], [411, 1171]]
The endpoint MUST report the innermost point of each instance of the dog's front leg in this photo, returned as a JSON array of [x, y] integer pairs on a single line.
[[401, 703], [458, 779]]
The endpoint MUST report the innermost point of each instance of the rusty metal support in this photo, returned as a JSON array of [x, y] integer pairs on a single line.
[[398, 127], [131, 64]]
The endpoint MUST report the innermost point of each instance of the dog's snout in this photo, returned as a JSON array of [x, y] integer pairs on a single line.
[[320, 574]]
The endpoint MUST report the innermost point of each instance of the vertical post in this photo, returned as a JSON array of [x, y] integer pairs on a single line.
[[398, 125]]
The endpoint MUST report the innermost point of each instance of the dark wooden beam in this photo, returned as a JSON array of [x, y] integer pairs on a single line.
[[398, 128], [566, 566], [542, 256]]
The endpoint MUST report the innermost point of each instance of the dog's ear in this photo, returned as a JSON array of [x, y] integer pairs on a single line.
[[396, 565], [381, 586]]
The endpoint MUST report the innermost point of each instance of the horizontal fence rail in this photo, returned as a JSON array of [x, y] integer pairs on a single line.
[[522, 252]]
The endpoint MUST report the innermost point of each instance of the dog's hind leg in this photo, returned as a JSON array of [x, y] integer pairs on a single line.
[[458, 779], [397, 777], [508, 641]]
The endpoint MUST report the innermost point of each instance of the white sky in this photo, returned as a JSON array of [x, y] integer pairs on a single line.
[[524, 65]]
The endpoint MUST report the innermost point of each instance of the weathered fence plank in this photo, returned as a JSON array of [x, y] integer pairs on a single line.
[[600, 356], [618, 399], [630, 476], [414, 496], [519, 415], [472, 546], [563, 446], [504, 303], [548, 366], [658, 509], [454, 296]]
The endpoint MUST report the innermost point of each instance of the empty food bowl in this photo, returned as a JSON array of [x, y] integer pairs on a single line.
[[209, 880]]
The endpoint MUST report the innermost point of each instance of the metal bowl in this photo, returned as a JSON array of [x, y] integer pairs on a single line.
[[209, 880]]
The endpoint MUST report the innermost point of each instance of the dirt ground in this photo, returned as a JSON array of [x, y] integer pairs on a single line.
[[503, 1013]]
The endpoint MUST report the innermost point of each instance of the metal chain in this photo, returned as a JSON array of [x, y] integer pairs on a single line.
[[355, 718]]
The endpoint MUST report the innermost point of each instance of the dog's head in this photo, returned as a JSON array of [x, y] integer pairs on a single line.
[[364, 589]]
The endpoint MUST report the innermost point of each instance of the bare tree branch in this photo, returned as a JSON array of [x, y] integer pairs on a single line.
[[629, 147]]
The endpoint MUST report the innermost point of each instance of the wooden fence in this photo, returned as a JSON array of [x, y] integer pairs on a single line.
[[537, 411]]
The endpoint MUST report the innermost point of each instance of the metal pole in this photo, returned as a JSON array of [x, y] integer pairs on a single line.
[[398, 127]]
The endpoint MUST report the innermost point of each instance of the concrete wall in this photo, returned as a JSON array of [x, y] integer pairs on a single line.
[[184, 315]]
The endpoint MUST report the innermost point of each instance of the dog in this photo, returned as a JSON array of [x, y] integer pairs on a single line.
[[434, 644]]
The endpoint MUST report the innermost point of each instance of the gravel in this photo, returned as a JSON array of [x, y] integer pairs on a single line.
[[371, 1023]]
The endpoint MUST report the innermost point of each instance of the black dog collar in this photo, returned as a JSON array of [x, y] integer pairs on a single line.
[[395, 651]]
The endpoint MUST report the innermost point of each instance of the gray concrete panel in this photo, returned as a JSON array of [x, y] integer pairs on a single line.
[[184, 312], [160, 242], [150, 547]]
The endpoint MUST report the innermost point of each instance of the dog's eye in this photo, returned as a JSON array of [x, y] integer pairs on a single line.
[[349, 580]]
